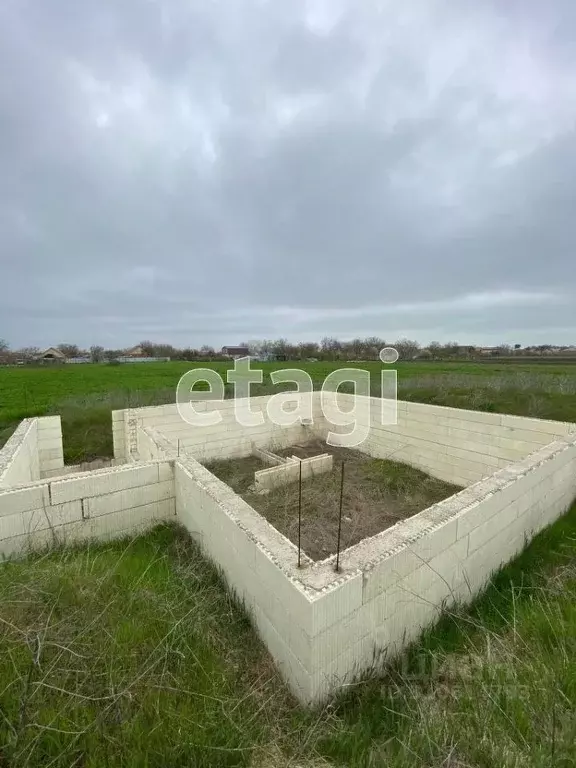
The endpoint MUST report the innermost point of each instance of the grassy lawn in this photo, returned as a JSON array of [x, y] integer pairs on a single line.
[[133, 654], [85, 394]]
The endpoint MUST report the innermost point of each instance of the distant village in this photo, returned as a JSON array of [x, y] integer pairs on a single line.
[[328, 349]]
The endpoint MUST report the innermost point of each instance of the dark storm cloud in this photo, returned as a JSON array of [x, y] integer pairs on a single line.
[[197, 172]]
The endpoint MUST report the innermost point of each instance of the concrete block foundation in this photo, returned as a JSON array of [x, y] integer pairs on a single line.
[[322, 627], [290, 471]]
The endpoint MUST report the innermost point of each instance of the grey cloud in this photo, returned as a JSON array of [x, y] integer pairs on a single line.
[[185, 171]]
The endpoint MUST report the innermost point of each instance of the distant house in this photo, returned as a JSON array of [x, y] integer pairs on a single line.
[[488, 350], [52, 353], [235, 352], [136, 351]]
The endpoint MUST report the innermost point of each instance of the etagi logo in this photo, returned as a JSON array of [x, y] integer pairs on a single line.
[[200, 408]]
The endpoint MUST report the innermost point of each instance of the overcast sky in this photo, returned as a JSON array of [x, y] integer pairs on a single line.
[[217, 171]]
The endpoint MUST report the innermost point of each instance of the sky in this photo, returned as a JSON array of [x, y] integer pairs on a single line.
[[214, 172]]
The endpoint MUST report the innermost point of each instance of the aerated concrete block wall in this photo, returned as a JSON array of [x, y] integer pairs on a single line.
[[321, 627], [50, 447], [290, 472], [256, 560], [324, 628], [147, 446], [19, 462], [100, 504], [34, 449], [453, 444], [399, 582], [153, 445], [120, 435], [224, 440]]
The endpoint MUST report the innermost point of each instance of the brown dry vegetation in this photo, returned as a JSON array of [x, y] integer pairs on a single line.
[[377, 494]]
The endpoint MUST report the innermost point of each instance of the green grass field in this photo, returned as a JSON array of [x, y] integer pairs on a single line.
[[85, 394], [134, 654]]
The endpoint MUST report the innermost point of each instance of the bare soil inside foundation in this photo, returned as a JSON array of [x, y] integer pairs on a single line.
[[377, 494]]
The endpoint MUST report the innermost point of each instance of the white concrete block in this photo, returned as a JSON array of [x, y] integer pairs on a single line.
[[133, 497], [289, 665], [20, 546], [334, 604], [49, 436], [429, 544], [444, 572], [478, 513], [289, 472], [48, 454], [130, 521], [165, 471], [268, 457], [423, 411], [279, 584], [406, 624], [492, 527], [52, 464], [13, 502], [329, 645], [103, 481], [38, 519], [388, 572], [46, 423], [554, 428], [481, 563]]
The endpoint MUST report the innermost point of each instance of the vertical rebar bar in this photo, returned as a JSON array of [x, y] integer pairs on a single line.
[[340, 520], [299, 513]]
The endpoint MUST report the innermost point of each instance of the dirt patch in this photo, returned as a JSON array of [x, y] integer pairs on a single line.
[[377, 494]]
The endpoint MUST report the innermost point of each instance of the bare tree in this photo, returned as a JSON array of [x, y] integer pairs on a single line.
[[151, 349], [97, 354], [355, 349], [188, 353], [330, 348], [147, 348], [254, 347], [372, 347], [27, 353], [70, 350], [281, 348], [6, 357], [407, 348], [308, 349], [451, 349], [207, 352]]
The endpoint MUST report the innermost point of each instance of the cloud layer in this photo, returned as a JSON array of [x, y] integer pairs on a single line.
[[208, 172]]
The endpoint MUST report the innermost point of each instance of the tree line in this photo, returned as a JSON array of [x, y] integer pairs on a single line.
[[328, 348]]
